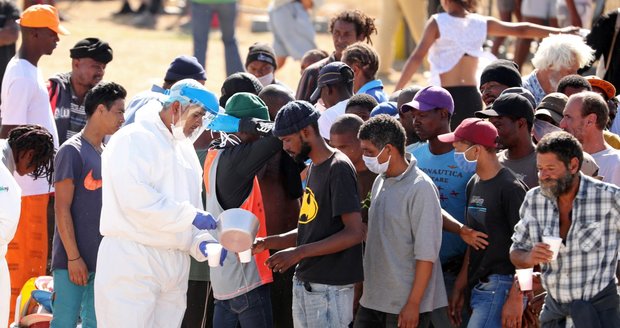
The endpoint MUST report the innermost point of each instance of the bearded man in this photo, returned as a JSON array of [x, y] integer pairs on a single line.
[[583, 211]]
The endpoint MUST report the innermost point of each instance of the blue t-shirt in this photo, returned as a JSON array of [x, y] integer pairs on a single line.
[[451, 183], [375, 89], [78, 160]]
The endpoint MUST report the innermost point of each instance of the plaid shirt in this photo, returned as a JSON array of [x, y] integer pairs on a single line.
[[587, 260]]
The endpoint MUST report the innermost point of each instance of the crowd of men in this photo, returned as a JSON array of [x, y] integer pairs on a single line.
[[372, 210]]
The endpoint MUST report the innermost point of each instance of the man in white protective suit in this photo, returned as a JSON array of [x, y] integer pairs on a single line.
[[29, 150], [10, 205], [152, 215]]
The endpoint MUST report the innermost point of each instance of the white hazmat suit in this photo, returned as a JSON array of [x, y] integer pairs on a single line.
[[151, 194], [10, 208]]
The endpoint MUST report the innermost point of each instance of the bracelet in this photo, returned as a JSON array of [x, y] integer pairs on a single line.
[[75, 259]]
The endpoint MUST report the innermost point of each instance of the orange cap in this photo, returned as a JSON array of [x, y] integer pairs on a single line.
[[608, 88], [39, 16]]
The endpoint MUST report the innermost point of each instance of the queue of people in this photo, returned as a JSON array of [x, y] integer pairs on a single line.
[[410, 209]]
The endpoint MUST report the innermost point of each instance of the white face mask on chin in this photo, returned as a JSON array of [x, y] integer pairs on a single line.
[[177, 129], [266, 80]]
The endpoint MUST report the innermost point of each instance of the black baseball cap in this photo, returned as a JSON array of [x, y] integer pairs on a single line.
[[511, 104], [332, 73]]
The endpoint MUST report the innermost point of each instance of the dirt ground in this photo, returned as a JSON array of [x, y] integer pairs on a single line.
[[141, 56]]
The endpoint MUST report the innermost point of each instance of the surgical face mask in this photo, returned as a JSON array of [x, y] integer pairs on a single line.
[[266, 80], [372, 163], [177, 128], [542, 128], [463, 163]]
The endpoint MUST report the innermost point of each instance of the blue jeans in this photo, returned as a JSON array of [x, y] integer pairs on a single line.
[[487, 301], [322, 306], [252, 309], [201, 25], [72, 301]]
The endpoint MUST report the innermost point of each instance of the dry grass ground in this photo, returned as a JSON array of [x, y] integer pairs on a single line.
[[141, 56]]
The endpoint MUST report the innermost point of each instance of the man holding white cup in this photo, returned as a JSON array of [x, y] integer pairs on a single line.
[[152, 216], [584, 213]]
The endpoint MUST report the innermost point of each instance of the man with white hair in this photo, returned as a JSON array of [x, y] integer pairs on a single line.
[[152, 215], [557, 56]]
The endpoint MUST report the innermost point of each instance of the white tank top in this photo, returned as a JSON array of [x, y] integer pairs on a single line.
[[457, 37]]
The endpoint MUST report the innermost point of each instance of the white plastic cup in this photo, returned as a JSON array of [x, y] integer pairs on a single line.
[[554, 245], [214, 251], [525, 278], [245, 256]]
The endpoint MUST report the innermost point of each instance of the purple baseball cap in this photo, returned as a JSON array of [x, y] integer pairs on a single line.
[[429, 98]]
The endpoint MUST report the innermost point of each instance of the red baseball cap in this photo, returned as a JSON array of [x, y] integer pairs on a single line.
[[474, 130], [39, 16]]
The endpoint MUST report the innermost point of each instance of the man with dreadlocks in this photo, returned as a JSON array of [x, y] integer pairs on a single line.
[[29, 150], [347, 28]]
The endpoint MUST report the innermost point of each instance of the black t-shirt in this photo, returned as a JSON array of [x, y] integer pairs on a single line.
[[8, 12], [493, 208], [331, 191]]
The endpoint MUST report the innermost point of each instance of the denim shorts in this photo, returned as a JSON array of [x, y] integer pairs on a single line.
[[319, 305]]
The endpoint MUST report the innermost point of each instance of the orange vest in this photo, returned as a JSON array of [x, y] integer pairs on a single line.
[[254, 204]]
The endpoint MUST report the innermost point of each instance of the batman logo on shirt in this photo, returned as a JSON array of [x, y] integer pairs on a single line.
[[309, 207]]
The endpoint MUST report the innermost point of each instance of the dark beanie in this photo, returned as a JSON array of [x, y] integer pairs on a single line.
[[92, 48], [239, 82], [185, 67], [293, 117], [502, 71], [262, 52]]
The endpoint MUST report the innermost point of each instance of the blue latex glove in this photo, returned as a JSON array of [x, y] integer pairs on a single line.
[[203, 250], [207, 99], [204, 221], [224, 123]]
